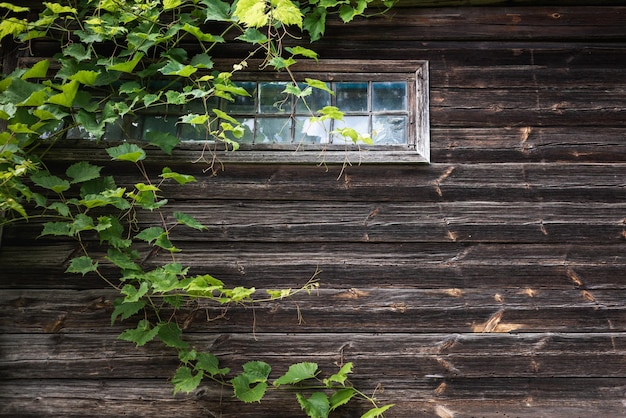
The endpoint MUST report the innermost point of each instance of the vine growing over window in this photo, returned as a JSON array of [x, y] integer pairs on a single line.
[[115, 58]]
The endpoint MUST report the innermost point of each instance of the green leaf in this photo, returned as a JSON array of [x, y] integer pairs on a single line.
[[207, 362], [253, 36], [166, 141], [280, 63], [318, 84], [125, 309], [341, 397], [85, 77], [122, 260], [245, 392], [140, 335], [315, 23], [82, 171], [317, 406], [297, 372], [126, 67], [188, 220], [50, 182], [377, 412], [169, 333], [176, 68], [132, 294], [60, 208], [77, 51], [39, 70], [339, 377], [204, 285], [150, 234], [113, 235], [305, 52], [179, 178], [216, 10], [81, 223], [127, 152], [200, 35], [67, 95], [185, 381], [57, 229], [257, 371], [194, 119], [82, 265]]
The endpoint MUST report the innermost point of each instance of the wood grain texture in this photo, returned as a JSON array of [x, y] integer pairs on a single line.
[[489, 283]]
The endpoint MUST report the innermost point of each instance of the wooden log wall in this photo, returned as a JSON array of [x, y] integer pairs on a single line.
[[489, 283]]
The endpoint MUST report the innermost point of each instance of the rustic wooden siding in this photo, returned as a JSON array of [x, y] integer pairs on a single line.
[[488, 283]]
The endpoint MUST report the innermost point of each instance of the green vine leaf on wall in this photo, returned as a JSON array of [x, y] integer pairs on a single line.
[[114, 62]]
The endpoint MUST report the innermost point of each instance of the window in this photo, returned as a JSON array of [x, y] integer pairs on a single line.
[[386, 101]]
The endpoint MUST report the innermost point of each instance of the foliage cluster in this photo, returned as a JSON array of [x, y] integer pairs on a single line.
[[117, 58]]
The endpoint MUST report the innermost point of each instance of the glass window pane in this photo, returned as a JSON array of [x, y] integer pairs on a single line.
[[308, 132], [272, 99], [358, 123], [242, 104], [273, 130], [315, 101], [389, 96], [351, 97], [389, 130], [248, 127], [165, 124]]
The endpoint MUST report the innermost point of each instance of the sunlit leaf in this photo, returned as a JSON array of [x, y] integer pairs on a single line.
[[127, 67], [286, 12], [339, 377], [56, 8], [13, 8], [39, 70], [67, 95]]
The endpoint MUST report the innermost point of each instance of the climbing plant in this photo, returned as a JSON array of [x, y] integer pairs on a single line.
[[115, 59]]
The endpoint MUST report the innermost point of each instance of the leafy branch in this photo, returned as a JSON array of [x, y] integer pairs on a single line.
[[116, 60]]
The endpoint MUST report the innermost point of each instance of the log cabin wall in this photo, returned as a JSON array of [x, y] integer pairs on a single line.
[[488, 283]]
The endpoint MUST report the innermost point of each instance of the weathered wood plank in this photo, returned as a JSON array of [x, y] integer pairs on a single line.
[[485, 397], [91, 356], [537, 23], [420, 265], [353, 310]]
